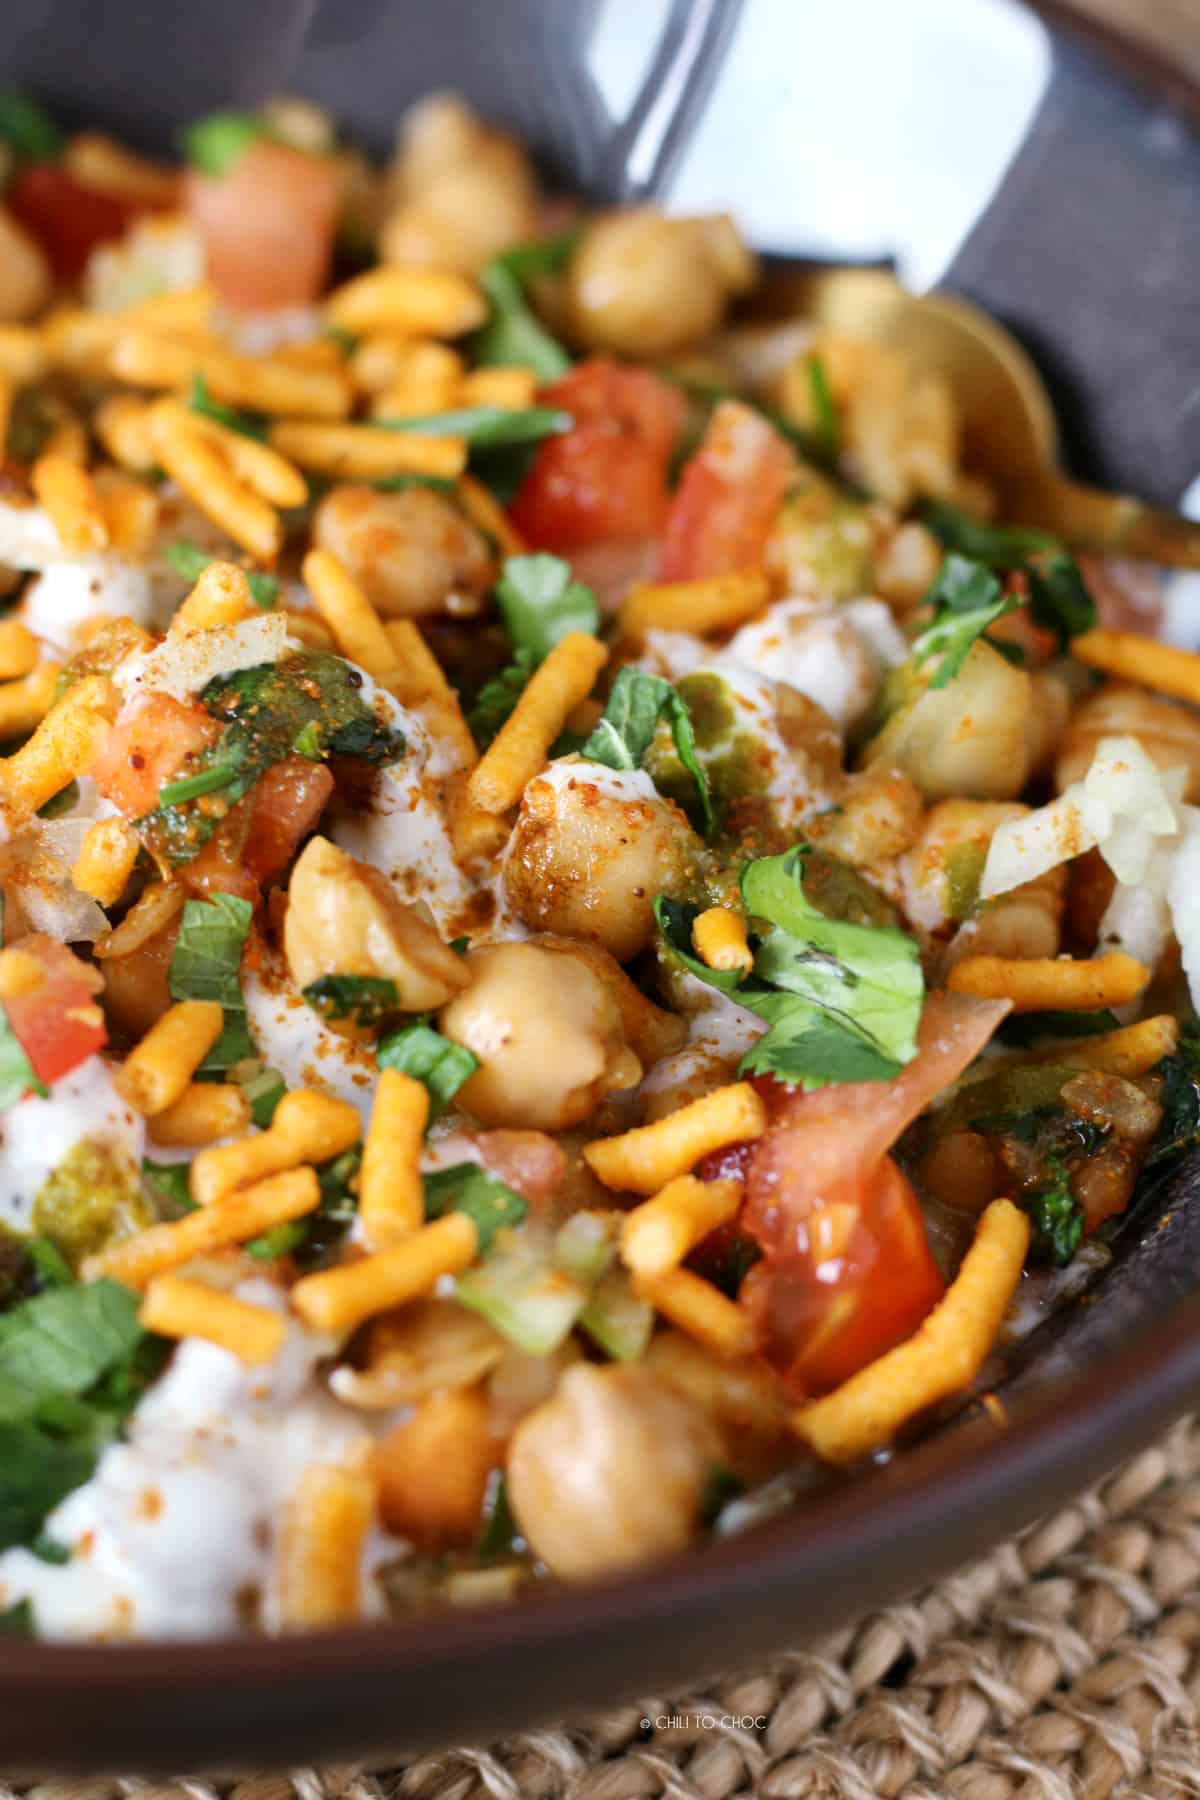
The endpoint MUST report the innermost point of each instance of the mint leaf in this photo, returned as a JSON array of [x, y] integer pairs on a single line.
[[966, 598], [623, 736], [467, 1188], [487, 427], [206, 965], [541, 602], [213, 145], [419, 1050], [61, 1343], [363, 998], [1059, 596]]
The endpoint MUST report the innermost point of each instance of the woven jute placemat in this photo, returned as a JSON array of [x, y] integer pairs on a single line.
[[1063, 1665]]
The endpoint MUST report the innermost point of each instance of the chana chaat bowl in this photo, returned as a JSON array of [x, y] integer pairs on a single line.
[[586, 935]]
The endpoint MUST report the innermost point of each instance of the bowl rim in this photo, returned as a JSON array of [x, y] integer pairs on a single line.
[[951, 1493]]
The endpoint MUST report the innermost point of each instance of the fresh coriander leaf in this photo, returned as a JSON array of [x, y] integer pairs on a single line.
[[62, 1342], [264, 589], [213, 145], [468, 1188], [400, 484], [1059, 596], [60, 803], [1023, 1029], [206, 965], [513, 335], [842, 1002], [365, 999], [264, 1091], [675, 919], [16, 1071], [419, 1050], [622, 737], [1000, 546], [200, 401], [497, 698], [1056, 1217], [49, 1261], [966, 598], [28, 129], [17, 1620], [540, 602], [487, 427], [170, 1183], [868, 975], [204, 781], [825, 413]]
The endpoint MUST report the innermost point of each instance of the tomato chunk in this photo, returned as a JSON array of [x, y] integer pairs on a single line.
[[58, 1023], [68, 219], [860, 1280], [260, 835], [151, 740], [606, 479], [268, 225], [727, 498]]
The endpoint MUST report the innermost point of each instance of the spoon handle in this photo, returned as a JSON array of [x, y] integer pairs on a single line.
[[1115, 523]]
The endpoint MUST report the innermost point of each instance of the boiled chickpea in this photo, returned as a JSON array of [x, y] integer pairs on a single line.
[[1168, 732], [611, 1472], [344, 918], [547, 1033], [643, 285], [974, 736], [461, 191], [590, 851], [412, 552]]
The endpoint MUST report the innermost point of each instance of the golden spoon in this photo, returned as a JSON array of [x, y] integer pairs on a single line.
[[1011, 435]]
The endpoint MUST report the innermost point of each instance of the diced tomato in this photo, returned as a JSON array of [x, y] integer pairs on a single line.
[[260, 835], [68, 219], [151, 740], [58, 1023], [727, 498], [268, 225], [847, 1271], [605, 480], [862, 1281]]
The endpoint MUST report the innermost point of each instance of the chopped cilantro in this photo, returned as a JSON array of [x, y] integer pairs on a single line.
[[17, 1620], [190, 561], [824, 406], [496, 699], [540, 602], [28, 129], [204, 781], [966, 598], [842, 1002], [499, 1537], [200, 401], [169, 1182], [1059, 595], [1056, 1217], [264, 1091], [513, 335], [16, 1071], [487, 427]]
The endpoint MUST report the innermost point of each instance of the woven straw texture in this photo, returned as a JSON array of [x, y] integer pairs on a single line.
[[1064, 1665]]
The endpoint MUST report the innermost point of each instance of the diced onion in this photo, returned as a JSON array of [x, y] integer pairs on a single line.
[[185, 662]]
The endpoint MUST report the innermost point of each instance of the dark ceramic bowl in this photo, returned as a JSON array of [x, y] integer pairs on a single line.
[[1091, 249]]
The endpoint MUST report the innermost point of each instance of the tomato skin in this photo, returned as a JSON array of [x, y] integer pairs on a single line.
[[260, 835], [58, 1024], [859, 1281], [68, 219], [728, 495], [268, 225], [605, 480], [150, 741]]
